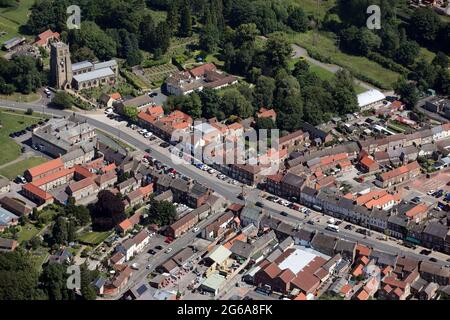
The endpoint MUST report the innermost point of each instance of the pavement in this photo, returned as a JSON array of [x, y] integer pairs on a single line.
[[229, 192]]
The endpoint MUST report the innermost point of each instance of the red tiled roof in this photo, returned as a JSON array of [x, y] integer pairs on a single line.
[[46, 167], [363, 250], [362, 295], [420, 208], [125, 225], [83, 171], [272, 270], [200, 70], [266, 113], [367, 162], [147, 189], [38, 192], [109, 167], [79, 185], [116, 96], [44, 36], [53, 177], [305, 281]]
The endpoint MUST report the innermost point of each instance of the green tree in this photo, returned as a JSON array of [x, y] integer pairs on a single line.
[[298, 20], [162, 213], [185, 20], [62, 100], [234, 103], [424, 25], [60, 232], [83, 54], [92, 36], [441, 59], [407, 53], [264, 90], [407, 91], [54, 282], [173, 17], [277, 51], [87, 289], [131, 113]]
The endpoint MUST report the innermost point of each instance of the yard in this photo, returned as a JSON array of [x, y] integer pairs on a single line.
[[93, 238], [12, 122], [18, 168], [326, 47], [157, 74], [27, 232], [12, 18], [20, 97]]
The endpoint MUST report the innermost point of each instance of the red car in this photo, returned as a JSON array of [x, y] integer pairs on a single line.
[[168, 240]]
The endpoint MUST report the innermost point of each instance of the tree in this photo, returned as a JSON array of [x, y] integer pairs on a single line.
[[185, 20], [83, 54], [298, 20], [441, 59], [161, 39], [29, 112], [60, 233], [344, 95], [407, 53], [54, 282], [131, 113], [108, 211], [162, 213], [424, 25], [264, 123], [62, 100], [211, 104], [173, 16], [209, 37], [87, 289], [18, 276], [264, 89], [277, 52], [234, 103], [407, 91], [92, 36]]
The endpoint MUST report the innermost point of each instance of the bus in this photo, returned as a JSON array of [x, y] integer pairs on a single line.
[[332, 227]]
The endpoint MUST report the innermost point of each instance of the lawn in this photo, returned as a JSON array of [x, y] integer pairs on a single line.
[[27, 232], [310, 6], [12, 18], [94, 238], [18, 168], [324, 74], [326, 47], [20, 97], [11, 122]]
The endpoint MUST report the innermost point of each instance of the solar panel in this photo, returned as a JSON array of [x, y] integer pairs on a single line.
[[141, 289]]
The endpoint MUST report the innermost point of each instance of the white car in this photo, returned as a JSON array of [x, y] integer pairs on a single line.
[[169, 250], [195, 229], [211, 171], [149, 267], [430, 192], [108, 111], [148, 134]]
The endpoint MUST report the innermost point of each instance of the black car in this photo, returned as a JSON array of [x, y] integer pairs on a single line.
[[158, 248], [425, 252], [284, 213], [433, 259], [151, 251], [348, 227], [259, 204], [338, 222], [164, 144], [148, 150]]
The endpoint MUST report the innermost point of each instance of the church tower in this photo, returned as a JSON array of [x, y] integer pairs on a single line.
[[60, 66]]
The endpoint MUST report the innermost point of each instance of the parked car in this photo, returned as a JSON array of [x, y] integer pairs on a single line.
[[196, 229], [164, 144], [168, 250], [259, 204], [425, 252], [433, 259], [284, 213]]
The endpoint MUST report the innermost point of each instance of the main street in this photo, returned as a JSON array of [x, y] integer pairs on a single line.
[[229, 192]]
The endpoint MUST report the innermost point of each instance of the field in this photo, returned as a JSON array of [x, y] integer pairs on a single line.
[[27, 232], [310, 6], [324, 74], [94, 238], [12, 18], [157, 74], [326, 47], [12, 122], [18, 168], [20, 97]]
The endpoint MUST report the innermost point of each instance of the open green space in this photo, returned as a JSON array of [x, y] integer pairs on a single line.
[[93, 238], [12, 18], [324, 46], [27, 232], [314, 7], [20, 97], [18, 168], [12, 122]]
